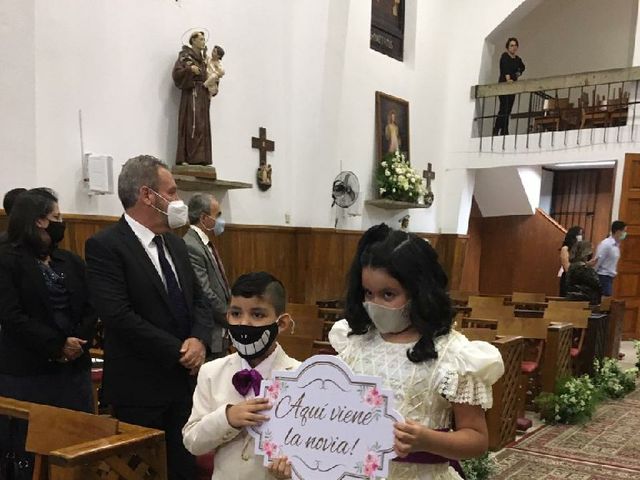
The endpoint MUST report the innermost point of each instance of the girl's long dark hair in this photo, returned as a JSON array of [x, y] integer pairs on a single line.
[[414, 263]]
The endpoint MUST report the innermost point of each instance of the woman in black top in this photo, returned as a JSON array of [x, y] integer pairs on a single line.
[[46, 321], [511, 67], [574, 235]]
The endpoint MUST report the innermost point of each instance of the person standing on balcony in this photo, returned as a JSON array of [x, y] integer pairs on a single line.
[[511, 67]]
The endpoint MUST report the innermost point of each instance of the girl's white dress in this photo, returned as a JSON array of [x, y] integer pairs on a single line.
[[463, 373]]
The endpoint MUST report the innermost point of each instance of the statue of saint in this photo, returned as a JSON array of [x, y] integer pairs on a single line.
[[194, 127]]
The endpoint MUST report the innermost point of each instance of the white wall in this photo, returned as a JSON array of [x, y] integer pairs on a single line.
[[565, 36], [474, 22], [546, 190], [301, 68], [504, 191], [17, 103]]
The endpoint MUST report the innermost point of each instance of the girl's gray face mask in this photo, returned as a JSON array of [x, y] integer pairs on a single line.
[[389, 320]]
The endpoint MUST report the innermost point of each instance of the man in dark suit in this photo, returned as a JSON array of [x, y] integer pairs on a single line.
[[7, 204], [205, 218], [156, 319]]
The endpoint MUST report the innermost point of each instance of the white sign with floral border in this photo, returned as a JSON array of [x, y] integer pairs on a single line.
[[330, 423]]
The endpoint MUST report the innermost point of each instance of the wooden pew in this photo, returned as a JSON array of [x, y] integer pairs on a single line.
[[557, 358], [299, 347], [130, 453], [614, 328], [534, 330], [307, 321], [502, 417]]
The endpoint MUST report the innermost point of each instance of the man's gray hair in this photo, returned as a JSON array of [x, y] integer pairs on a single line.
[[138, 172], [200, 203]]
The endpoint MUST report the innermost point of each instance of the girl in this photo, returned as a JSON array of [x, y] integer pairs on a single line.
[[398, 326]]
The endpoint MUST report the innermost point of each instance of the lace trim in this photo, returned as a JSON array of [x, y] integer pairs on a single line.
[[466, 389]]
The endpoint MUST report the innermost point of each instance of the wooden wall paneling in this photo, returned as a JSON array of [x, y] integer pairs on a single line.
[[627, 283], [311, 262], [451, 250], [603, 205], [470, 281], [520, 253], [500, 237], [585, 198]]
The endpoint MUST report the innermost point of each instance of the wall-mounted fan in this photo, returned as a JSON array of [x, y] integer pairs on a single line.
[[345, 189]]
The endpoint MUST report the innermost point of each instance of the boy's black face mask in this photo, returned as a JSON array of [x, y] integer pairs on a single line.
[[252, 342]]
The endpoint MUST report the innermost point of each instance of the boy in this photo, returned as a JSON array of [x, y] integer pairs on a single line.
[[225, 398]]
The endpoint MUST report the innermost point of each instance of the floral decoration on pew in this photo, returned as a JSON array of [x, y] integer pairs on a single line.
[[397, 180], [575, 399], [479, 468], [612, 381]]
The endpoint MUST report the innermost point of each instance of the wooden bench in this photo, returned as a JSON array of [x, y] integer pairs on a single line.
[[78, 446], [502, 417]]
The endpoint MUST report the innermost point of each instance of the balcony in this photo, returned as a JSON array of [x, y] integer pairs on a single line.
[[562, 111]]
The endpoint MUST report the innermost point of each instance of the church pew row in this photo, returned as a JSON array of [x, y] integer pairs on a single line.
[[501, 418], [69, 445]]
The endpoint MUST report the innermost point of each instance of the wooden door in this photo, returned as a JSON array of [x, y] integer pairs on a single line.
[[627, 283]]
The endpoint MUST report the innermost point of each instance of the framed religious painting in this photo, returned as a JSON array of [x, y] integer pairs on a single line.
[[392, 125], [387, 27]]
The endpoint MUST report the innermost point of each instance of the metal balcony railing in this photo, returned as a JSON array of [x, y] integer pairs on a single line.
[[570, 107]]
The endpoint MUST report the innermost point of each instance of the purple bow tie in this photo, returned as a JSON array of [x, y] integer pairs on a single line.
[[246, 379]]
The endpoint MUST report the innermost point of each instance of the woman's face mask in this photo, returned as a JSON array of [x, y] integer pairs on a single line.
[[389, 320], [56, 231]]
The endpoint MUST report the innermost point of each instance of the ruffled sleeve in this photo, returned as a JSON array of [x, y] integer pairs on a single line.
[[468, 370], [338, 335]]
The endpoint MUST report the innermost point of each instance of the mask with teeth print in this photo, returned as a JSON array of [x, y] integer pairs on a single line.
[[252, 342]]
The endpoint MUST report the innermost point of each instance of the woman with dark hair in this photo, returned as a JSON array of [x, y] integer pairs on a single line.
[[398, 326], [582, 279], [47, 321], [511, 67], [574, 234]]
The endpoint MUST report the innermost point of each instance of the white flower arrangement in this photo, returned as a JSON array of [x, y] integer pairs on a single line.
[[397, 180]]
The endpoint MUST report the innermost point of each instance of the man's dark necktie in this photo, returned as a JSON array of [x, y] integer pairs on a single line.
[[176, 297], [216, 256]]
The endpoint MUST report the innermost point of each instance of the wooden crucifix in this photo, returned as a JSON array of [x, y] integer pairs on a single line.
[[264, 170], [428, 175]]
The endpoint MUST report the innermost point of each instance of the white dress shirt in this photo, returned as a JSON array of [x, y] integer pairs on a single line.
[[208, 428], [146, 237], [203, 236]]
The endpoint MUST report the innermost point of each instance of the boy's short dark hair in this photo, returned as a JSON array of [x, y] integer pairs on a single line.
[[262, 285], [617, 226]]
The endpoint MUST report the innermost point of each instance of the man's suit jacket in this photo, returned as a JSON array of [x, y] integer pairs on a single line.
[[212, 282], [142, 342], [30, 338], [208, 429]]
